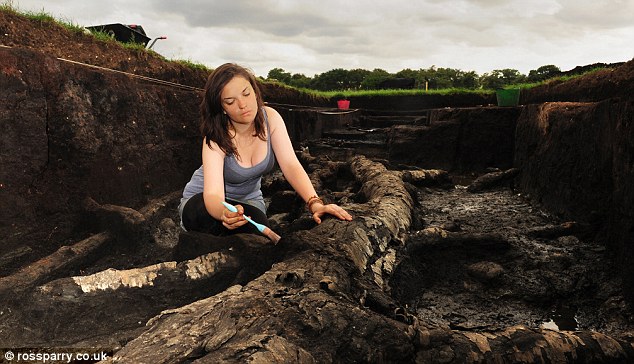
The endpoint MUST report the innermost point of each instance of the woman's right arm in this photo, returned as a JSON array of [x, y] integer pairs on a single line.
[[213, 178], [214, 188]]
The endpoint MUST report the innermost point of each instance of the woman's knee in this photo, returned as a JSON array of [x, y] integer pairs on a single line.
[[196, 218]]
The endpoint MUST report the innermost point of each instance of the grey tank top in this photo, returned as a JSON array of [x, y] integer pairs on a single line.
[[242, 184]]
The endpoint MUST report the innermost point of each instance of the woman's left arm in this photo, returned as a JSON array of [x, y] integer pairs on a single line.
[[294, 172]]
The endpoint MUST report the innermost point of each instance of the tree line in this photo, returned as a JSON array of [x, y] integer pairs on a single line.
[[431, 78]]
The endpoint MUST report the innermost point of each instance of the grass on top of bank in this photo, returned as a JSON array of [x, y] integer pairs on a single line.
[[558, 79], [40, 17], [395, 92]]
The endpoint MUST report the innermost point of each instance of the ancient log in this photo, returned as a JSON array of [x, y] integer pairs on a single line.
[[493, 179], [426, 177], [155, 205], [554, 231], [119, 215], [126, 223], [116, 221], [326, 301], [65, 258], [438, 237], [320, 169], [163, 276], [8, 258]]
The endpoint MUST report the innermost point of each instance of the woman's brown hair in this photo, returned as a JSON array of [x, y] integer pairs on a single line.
[[215, 124]]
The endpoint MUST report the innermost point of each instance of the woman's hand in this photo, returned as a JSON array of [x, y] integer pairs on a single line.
[[233, 220], [318, 210]]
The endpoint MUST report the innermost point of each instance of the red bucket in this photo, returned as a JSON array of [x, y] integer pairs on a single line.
[[343, 104]]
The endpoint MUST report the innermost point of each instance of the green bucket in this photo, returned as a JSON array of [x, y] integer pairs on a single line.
[[508, 96]]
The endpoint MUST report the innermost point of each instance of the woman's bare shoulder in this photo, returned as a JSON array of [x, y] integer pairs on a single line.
[[274, 117], [271, 113], [212, 147]]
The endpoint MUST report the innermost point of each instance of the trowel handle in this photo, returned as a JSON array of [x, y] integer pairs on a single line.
[[232, 208]]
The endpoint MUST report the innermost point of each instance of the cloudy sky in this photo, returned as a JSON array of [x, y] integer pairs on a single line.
[[312, 37]]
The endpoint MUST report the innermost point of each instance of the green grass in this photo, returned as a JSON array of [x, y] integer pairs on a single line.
[[102, 36], [134, 46], [336, 94], [554, 79], [40, 17], [192, 65], [412, 92], [72, 27], [7, 6]]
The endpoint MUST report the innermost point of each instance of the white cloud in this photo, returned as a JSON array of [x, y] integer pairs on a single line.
[[312, 37]]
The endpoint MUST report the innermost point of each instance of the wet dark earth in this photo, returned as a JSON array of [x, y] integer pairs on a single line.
[[472, 261], [505, 262]]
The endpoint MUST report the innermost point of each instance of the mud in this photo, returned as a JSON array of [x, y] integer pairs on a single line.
[[561, 282]]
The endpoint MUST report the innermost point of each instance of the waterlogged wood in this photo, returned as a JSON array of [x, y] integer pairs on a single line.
[[438, 237], [555, 231], [320, 169], [14, 255], [493, 179], [426, 177], [324, 302], [155, 205], [207, 258], [68, 258], [161, 277], [304, 320], [47, 268], [112, 306], [124, 222]]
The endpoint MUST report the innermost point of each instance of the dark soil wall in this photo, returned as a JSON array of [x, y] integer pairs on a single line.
[[566, 157], [577, 159], [71, 131], [310, 123], [459, 140]]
